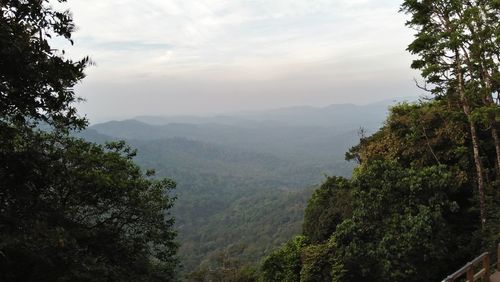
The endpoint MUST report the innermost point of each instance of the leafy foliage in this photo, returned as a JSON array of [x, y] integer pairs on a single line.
[[241, 180], [414, 215], [328, 207], [456, 34], [285, 263], [37, 80], [399, 226], [226, 197], [72, 210], [317, 262], [224, 266], [458, 54]]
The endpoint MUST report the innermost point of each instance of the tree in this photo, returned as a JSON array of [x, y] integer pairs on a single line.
[[285, 263], [400, 225], [70, 210], [412, 212], [328, 206], [457, 44], [317, 262], [224, 266], [36, 80], [412, 194]]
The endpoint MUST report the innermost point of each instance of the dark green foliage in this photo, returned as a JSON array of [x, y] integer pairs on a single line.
[[400, 226], [36, 80], [429, 134], [458, 49], [414, 215], [258, 218], [317, 262], [451, 33], [285, 263], [227, 196], [328, 206], [242, 180], [458, 55], [492, 233], [232, 274], [69, 210], [419, 137], [225, 267], [74, 211]]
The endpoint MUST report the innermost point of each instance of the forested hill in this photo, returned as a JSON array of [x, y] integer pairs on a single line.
[[297, 133], [312, 145], [244, 180], [410, 212]]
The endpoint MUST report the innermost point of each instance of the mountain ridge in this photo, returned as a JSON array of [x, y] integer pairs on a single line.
[[249, 117]]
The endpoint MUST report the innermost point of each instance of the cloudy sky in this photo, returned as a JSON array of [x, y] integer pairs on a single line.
[[170, 57]]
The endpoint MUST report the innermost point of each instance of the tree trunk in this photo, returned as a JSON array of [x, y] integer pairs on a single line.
[[492, 120], [474, 137], [485, 78], [496, 140], [479, 168], [494, 134]]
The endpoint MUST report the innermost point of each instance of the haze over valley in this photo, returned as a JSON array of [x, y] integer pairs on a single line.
[[244, 179], [249, 141]]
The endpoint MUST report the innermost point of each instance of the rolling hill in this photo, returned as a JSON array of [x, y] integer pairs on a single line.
[[246, 177]]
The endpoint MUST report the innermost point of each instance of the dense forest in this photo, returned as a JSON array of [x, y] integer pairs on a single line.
[[238, 192], [411, 204], [414, 199]]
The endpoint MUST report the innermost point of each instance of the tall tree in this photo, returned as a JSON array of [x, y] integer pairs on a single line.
[[36, 80], [481, 48], [412, 214], [457, 44], [400, 225], [70, 210], [74, 211]]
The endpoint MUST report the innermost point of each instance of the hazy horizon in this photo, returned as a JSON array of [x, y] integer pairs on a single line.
[[191, 57], [242, 113]]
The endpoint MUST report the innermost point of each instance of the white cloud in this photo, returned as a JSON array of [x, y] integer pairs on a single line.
[[239, 40]]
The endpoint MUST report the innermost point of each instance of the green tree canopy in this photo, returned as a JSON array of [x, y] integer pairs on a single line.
[[414, 216], [328, 206], [70, 210], [285, 263], [457, 46], [36, 80], [399, 226]]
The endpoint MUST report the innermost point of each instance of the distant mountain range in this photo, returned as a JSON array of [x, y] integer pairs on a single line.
[[307, 134], [250, 168], [343, 115]]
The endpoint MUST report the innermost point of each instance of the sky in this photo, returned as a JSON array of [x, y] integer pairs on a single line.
[[185, 57]]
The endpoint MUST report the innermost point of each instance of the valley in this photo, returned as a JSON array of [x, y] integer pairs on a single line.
[[243, 181]]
